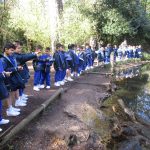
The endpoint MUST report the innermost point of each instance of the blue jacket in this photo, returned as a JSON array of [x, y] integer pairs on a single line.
[[15, 81], [46, 61], [75, 59], [21, 61], [59, 61], [3, 89]]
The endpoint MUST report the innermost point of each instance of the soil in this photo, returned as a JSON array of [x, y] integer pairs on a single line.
[[75, 121]]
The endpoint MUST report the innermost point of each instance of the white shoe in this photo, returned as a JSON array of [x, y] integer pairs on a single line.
[[1, 130], [65, 81], [69, 79], [11, 112], [62, 83], [16, 109], [48, 87], [22, 100], [56, 84], [20, 103], [35, 88], [72, 74], [4, 121], [42, 86], [25, 95]]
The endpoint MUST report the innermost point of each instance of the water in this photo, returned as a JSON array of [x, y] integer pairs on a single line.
[[134, 89]]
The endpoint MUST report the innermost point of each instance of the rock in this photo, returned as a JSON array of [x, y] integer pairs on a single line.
[[84, 113], [72, 140], [128, 131], [129, 145]]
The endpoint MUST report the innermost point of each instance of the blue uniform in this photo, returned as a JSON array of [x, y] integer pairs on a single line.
[[81, 66], [130, 53], [15, 81], [38, 65], [100, 55], [115, 53], [108, 51], [59, 65], [21, 61], [89, 57], [138, 53], [3, 90], [45, 74]]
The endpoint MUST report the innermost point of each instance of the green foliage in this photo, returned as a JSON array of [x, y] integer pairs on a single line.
[[115, 24], [34, 22], [146, 56], [74, 27]]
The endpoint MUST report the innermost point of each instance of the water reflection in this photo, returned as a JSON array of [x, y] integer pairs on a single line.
[[128, 73], [135, 89]]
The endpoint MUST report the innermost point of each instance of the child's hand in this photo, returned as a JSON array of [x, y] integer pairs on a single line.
[[20, 68], [38, 54], [7, 73]]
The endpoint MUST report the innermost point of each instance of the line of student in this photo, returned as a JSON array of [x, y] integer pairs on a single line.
[[14, 72], [67, 64], [123, 52]]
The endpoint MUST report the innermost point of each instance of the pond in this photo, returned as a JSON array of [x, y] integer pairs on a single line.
[[134, 89]]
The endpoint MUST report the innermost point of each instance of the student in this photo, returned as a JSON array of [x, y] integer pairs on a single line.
[[38, 68], [3, 92], [100, 54], [69, 65], [88, 52], [115, 49], [21, 61], [63, 59], [13, 82], [47, 63], [59, 65], [139, 52], [108, 51], [75, 59], [81, 56]]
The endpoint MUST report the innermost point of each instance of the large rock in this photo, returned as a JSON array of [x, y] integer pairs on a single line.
[[130, 145]]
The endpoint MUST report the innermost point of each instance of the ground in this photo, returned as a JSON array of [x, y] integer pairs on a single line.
[[74, 121]]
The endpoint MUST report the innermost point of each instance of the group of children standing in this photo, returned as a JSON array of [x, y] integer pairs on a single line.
[[14, 75], [123, 52], [14, 72], [67, 64]]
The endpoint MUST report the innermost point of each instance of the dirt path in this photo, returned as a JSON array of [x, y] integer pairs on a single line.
[[70, 120]]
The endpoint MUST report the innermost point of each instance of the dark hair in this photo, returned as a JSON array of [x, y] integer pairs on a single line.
[[39, 47], [87, 44], [16, 43], [71, 46], [58, 45], [8, 46], [48, 48]]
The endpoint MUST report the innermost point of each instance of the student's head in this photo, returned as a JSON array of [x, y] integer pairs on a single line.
[[38, 48], [115, 46], [47, 50], [71, 46], [87, 45], [81, 48], [59, 47], [9, 49], [18, 46], [140, 46], [108, 45]]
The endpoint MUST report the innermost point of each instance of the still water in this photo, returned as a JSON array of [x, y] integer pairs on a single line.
[[134, 89]]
